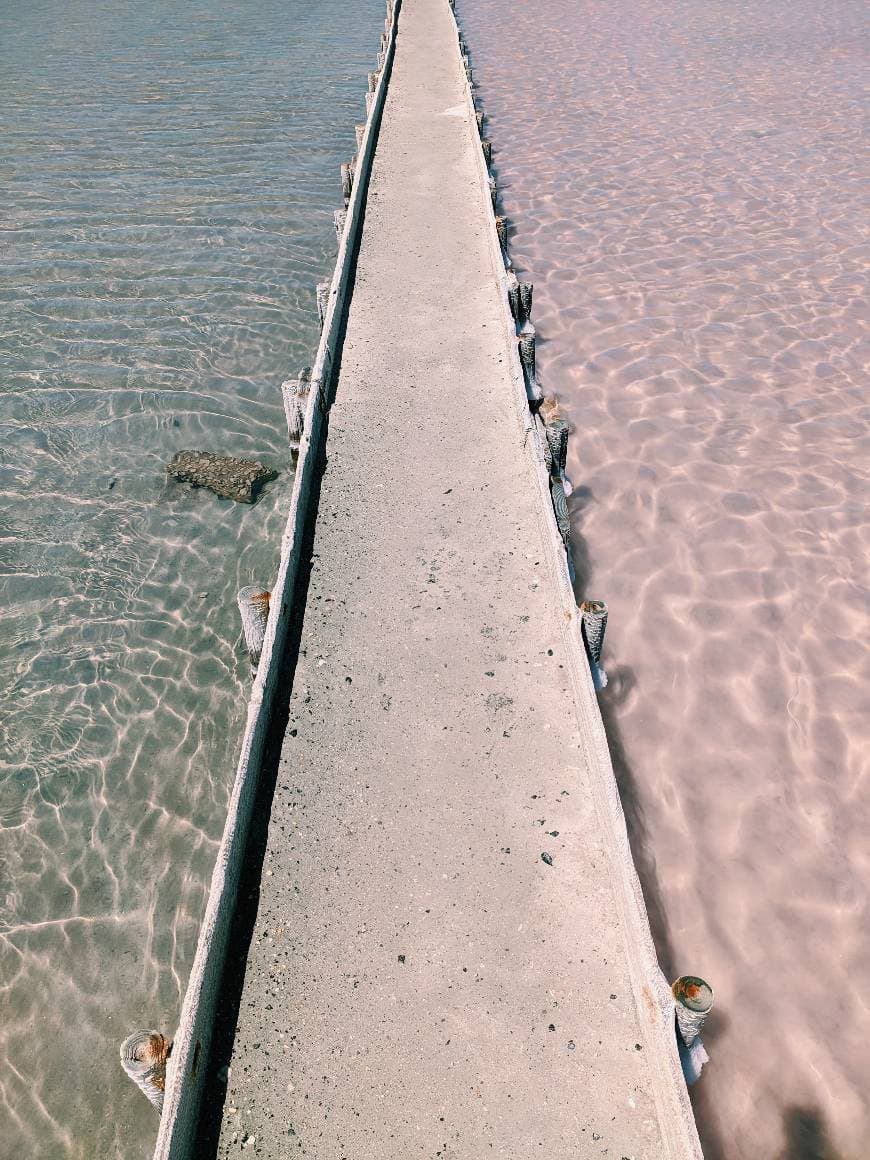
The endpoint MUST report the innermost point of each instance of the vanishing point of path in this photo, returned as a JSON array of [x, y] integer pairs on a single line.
[[420, 981]]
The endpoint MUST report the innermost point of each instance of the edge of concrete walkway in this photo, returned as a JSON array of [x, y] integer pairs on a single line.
[[652, 996], [192, 1042], [653, 1000]]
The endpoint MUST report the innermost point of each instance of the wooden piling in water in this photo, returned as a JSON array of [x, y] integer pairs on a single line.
[[144, 1056], [593, 622], [322, 301], [693, 1000], [527, 351], [295, 395], [253, 602], [346, 180]]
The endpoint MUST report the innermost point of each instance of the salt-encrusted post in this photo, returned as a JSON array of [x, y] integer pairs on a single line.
[[593, 623], [143, 1058], [339, 217], [513, 290], [346, 180], [501, 227], [527, 358], [294, 392], [253, 602], [557, 437], [693, 998], [323, 289], [560, 508], [525, 296], [486, 146]]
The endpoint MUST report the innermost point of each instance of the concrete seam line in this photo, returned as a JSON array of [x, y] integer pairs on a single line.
[[651, 993], [191, 1045]]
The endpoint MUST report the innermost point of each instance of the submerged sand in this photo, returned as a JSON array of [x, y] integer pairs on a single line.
[[685, 183]]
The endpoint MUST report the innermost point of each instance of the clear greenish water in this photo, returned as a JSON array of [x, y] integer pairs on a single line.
[[167, 178]]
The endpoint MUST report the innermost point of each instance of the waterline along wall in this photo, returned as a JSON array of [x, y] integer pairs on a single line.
[[681, 1057], [542, 434], [192, 1040]]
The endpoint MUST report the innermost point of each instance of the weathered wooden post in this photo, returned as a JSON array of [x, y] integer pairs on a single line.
[[339, 218], [253, 602], [143, 1058], [556, 440], [486, 146], [560, 508], [527, 358], [525, 293], [527, 350], [513, 290], [370, 101], [493, 190], [501, 227], [294, 392], [359, 130], [593, 622], [693, 999], [373, 81], [479, 114], [557, 437], [346, 180], [323, 289]]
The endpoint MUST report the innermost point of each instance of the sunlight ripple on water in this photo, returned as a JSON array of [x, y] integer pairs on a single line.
[[168, 175], [686, 183]]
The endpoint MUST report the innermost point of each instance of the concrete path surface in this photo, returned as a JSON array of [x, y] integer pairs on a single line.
[[421, 982]]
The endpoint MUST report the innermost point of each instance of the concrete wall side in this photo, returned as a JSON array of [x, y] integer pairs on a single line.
[[652, 994], [190, 1051]]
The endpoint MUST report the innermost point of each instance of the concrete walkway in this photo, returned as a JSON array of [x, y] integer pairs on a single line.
[[421, 982]]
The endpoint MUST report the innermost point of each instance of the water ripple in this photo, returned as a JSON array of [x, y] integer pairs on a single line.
[[686, 186], [168, 177]]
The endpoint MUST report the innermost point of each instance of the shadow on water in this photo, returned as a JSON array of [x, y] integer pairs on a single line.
[[806, 1137], [248, 902], [621, 682]]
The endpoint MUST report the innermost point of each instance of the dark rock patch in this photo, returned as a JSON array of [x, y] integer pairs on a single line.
[[237, 479]]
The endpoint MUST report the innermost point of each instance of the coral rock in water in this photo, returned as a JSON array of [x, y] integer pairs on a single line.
[[230, 478]]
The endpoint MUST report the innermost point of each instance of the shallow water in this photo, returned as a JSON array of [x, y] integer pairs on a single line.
[[685, 183], [168, 175]]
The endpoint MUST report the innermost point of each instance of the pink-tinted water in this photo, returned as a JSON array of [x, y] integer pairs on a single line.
[[685, 181]]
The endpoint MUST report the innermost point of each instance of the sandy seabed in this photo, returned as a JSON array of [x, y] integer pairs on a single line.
[[684, 183]]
